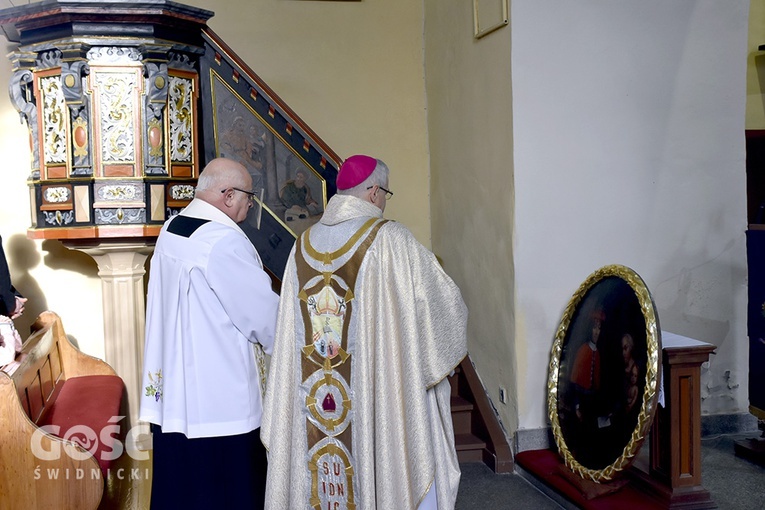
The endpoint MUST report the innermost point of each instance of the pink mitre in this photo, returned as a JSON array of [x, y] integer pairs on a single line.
[[355, 170]]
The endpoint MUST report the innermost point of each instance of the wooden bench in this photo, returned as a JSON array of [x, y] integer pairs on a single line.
[[57, 392]]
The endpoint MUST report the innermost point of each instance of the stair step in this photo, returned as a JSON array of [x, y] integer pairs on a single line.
[[468, 442], [462, 422], [478, 436], [460, 404]]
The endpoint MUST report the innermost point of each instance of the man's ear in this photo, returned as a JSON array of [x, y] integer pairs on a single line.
[[227, 200], [371, 192]]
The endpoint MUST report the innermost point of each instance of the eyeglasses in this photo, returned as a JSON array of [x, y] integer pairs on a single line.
[[252, 195], [388, 194]]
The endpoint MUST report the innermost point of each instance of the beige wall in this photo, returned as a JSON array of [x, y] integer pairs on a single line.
[[353, 72], [471, 150]]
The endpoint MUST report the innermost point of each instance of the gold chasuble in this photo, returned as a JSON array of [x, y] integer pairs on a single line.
[[356, 413]]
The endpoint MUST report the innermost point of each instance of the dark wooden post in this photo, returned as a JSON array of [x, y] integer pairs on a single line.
[[675, 458]]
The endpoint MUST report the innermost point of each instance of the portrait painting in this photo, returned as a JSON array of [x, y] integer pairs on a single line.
[[292, 192], [293, 170], [604, 373]]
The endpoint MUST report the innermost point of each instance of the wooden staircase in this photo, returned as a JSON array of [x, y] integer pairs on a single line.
[[477, 432]]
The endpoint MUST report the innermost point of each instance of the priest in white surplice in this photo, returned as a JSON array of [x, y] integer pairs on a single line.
[[210, 301], [357, 411]]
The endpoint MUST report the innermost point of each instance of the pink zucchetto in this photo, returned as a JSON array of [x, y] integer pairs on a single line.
[[355, 170]]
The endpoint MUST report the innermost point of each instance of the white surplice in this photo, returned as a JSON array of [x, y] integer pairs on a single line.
[[209, 301]]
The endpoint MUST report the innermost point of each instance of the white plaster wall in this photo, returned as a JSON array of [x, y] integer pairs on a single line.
[[629, 148]]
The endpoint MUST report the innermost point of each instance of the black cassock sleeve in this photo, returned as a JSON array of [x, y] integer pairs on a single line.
[[7, 292]]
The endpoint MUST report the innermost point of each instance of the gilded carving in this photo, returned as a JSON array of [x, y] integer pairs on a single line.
[[155, 105], [91, 85], [118, 192], [116, 99], [56, 195], [78, 103], [54, 120], [119, 216], [58, 218], [179, 110], [182, 192], [113, 55]]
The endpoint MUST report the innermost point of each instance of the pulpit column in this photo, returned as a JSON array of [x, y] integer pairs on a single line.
[[121, 268]]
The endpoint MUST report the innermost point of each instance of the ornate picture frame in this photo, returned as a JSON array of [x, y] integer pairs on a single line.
[[604, 375]]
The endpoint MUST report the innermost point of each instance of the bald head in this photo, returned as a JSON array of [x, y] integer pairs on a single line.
[[218, 184], [222, 173]]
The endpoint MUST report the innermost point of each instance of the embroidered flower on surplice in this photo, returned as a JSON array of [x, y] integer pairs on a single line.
[[155, 388]]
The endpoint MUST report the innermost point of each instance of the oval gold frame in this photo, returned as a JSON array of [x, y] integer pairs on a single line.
[[652, 376]]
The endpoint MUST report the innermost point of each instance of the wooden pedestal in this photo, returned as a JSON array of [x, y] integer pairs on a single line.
[[675, 449]]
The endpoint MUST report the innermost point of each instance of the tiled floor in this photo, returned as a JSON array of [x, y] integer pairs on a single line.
[[734, 483]]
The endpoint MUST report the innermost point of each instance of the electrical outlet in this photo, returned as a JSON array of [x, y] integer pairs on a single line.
[[502, 395]]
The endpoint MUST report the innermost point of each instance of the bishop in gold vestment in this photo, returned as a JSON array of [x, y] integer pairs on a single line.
[[357, 411]]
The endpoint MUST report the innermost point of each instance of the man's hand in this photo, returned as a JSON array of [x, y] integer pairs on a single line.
[[20, 301]]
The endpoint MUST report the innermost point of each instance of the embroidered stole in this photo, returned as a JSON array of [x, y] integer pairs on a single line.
[[326, 304]]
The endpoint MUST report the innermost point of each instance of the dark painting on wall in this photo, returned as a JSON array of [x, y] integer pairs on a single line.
[[604, 375], [293, 193]]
